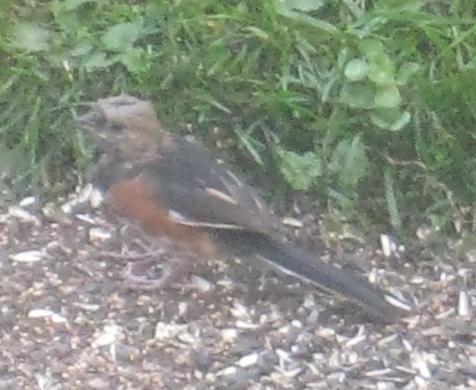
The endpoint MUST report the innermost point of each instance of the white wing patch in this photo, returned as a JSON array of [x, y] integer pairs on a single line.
[[182, 220], [220, 195]]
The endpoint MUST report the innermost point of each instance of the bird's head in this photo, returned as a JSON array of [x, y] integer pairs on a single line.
[[124, 126]]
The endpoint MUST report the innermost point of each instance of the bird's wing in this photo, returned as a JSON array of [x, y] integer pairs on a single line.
[[199, 190]]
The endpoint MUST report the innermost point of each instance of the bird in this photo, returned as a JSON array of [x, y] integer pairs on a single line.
[[179, 192]]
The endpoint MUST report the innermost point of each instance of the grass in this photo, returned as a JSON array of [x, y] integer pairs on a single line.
[[366, 105]]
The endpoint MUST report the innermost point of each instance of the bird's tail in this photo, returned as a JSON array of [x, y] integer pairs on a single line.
[[308, 267]]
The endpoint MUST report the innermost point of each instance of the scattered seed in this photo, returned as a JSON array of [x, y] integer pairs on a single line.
[[326, 333], [23, 215], [201, 284], [445, 314], [166, 331], [357, 339], [419, 362], [28, 256], [228, 371], [96, 198], [293, 222], [99, 234], [239, 311], [246, 325], [229, 335], [110, 334], [69, 205], [388, 339], [398, 303], [388, 245], [86, 218], [463, 303], [45, 313], [28, 201], [421, 382], [380, 373], [187, 338], [248, 360], [87, 306], [84, 194], [407, 345]]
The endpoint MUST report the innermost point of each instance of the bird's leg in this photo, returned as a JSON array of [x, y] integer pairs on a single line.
[[174, 263], [138, 274]]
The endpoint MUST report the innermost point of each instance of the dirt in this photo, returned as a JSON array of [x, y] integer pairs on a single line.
[[68, 321]]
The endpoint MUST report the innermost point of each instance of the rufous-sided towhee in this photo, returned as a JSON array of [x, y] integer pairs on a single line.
[[176, 189]]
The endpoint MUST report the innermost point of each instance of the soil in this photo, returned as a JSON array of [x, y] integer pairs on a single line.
[[68, 320]]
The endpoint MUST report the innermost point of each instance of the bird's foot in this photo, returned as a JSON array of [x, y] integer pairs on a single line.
[[139, 275]]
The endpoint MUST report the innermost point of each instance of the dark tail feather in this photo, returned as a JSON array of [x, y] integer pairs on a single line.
[[307, 267]]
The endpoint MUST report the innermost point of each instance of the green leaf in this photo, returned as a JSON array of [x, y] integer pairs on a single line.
[[72, 5], [401, 122], [249, 144], [257, 32], [381, 70], [358, 95], [65, 20], [349, 161], [133, 59], [30, 37], [406, 71], [303, 18], [121, 36], [387, 96], [302, 5], [371, 48], [97, 60], [356, 70], [390, 119], [81, 49], [300, 170]]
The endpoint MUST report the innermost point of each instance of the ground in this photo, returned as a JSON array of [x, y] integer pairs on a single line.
[[69, 322]]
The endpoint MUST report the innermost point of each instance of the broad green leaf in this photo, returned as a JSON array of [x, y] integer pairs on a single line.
[[343, 57], [356, 70], [349, 161], [134, 60], [401, 122], [300, 170], [97, 60], [387, 96], [381, 70], [81, 49], [358, 95], [406, 71], [121, 36], [371, 48], [390, 119], [30, 37]]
